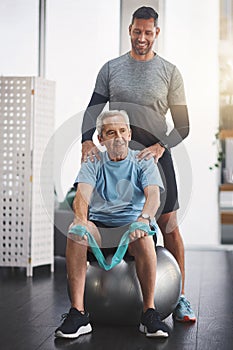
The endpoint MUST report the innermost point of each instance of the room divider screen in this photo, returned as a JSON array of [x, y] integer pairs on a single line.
[[26, 126]]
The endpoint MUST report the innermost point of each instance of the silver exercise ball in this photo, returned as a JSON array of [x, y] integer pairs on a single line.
[[114, 297]]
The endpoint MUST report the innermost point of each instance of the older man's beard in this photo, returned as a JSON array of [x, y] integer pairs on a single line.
[[119, 150]]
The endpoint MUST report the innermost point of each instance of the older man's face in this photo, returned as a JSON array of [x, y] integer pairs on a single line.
[[115, 136]]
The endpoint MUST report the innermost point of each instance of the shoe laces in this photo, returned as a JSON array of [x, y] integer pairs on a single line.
[[68, 315], [64, 316], [151, 315], [185, 303]]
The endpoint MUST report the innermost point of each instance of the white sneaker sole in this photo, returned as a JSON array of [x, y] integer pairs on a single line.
[[158, 334], [82, 330]]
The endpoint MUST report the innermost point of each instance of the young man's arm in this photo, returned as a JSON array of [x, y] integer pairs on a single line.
[[178, 134], [94, 108], [181, 126]]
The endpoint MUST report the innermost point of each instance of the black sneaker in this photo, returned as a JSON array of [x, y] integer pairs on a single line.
[[152, 325], [75, 324]]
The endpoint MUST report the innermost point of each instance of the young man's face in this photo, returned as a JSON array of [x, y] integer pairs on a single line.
[[115, 136], [143, 34]]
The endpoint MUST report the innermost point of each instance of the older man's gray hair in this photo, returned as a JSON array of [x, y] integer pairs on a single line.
[[107, 114]]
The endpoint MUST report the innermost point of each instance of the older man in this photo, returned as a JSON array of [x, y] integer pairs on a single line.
[[115, 191]]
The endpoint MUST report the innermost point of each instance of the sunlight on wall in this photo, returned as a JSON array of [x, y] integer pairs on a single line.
[[192, 44]]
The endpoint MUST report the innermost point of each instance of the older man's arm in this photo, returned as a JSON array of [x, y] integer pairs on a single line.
[[151, 205], [80, 208], [81, 202]]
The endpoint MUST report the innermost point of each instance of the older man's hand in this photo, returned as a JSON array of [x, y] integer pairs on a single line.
[[139, 233]]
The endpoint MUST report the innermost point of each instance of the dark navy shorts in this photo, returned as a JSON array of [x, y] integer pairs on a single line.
[[168, 198], [110, 239]]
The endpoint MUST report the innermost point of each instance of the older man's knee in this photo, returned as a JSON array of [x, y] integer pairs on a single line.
[[141, 246]]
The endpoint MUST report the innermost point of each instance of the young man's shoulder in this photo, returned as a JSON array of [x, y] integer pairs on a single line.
[[115, 62], [165, 63]]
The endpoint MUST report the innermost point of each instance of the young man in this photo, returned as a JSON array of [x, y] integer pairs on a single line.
[[146, 86], [115, 191]]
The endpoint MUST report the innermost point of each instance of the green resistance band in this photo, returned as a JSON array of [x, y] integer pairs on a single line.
[[122, 247]]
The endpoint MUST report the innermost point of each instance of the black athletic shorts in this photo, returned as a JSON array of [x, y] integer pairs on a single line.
[[168, 198], [110, 239]]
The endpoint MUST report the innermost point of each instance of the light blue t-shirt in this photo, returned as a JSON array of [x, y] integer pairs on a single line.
[[118, 187]]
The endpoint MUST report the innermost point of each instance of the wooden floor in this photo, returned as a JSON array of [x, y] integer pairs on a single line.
[[30, 310]]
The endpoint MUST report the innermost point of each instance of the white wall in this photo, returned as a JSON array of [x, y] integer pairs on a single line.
[[191, 42], [19, 37], [81, 37]]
